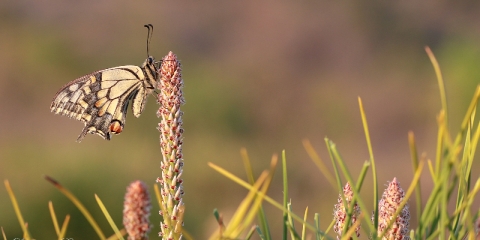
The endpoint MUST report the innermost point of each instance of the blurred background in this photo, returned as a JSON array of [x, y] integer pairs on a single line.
[[259, 75]]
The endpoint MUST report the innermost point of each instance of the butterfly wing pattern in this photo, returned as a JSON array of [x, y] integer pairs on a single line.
[[101, 99]]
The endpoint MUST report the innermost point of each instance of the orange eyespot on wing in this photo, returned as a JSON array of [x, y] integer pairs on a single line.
[[116, 127]]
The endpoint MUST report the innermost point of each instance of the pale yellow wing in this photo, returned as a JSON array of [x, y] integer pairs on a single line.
[[100, 99]]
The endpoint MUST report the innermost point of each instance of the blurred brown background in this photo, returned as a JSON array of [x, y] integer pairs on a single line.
[[260, 75]]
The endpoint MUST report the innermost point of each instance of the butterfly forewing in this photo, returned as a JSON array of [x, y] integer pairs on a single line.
[[100, 99]]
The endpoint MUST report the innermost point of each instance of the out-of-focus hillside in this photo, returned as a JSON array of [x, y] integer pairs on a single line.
[[259, 75]]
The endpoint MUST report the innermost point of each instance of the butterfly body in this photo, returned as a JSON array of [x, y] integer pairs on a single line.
[[101, 99]]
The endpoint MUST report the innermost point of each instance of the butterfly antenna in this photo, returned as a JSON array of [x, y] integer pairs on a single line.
[[149, 36]]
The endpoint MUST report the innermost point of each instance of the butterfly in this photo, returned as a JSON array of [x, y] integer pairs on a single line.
[[100, 99]]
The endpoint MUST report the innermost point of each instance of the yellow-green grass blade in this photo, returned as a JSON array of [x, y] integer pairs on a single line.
[[290, 224], [472, 150], [250, 232], [319, 162], [262, 217], [54, 218], [60, 232], [332, 223], [465, 207], [267, 198], [63, 230], [464, 179], [468, 115], [351, 230], [260, 234], [122, 232], [294, 234], [248, 166], [285, 195], [23, 225], [108, 217], [440, 142], [3, 234], [372, 161], [303, 224], [441, 84], [78, 204], [414, 156], [236, 226], [431, 170], [257, 204], [332, 147]]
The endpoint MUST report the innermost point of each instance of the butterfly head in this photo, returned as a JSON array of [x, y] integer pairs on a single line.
[[150, 67], [150, 61]]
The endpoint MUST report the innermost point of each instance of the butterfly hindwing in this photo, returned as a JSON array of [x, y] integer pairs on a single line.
[[100, 99]]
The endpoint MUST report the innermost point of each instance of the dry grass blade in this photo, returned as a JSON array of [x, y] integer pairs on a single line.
[[319, 162], [108, 217], [264, 229], [64, 227], [372, 162], [54, 218], [351, 230], [267, 198], [236, 225], [17, 210], [257, 204], [249, 207], [3, 234], [441, 84], [122, 232], [78, 204], [303, 225]]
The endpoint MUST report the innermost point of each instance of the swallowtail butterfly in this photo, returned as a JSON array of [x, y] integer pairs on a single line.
[[100, 99]]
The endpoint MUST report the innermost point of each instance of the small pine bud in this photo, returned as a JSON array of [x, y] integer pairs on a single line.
[[340, 213], [391, 199], [136, 211]]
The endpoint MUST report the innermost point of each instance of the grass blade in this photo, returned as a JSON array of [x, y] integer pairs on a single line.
[[23, 225], [250, 233], [54, 218], [64, 227], [351, 230], [266, 198], [303, 225], [109, 218], [262, 217], [260, 233], [291, 225], [3, 234], [414, 156], [333, 149], [319, 162], [285, 195], [372, 162], [441, 84], [316, 219], [78, 204]]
